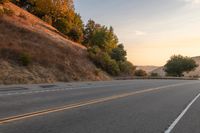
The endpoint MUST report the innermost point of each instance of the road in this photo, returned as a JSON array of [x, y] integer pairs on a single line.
[[130, 106]]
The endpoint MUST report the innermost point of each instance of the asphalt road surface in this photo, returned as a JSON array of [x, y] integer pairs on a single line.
[[130, 106]]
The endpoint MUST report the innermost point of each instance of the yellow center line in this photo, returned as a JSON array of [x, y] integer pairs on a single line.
[[80, 104]]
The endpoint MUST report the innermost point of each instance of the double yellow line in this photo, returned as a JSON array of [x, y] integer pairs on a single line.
[[76, 105]]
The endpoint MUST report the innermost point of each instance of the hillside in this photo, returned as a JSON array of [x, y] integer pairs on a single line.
[[53, 57], [148, 69], [195, 73]]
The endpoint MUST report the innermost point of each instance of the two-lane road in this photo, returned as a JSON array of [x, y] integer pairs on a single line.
[[131, 106]]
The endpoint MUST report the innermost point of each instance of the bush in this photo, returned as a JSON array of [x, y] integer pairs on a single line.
[[104, 61], [75, 34], [126, 68], [140, 73], [24, 59], [62, 25], [154, 74]]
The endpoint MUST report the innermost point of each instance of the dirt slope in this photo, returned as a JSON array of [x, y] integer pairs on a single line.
[[53, 57]]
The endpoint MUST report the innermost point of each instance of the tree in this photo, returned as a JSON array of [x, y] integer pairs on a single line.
[[89, 31], [76, 31], [118, 53], [178, 64], [101, 36]]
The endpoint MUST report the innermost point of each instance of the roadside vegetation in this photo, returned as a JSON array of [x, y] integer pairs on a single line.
[[178, 64], [140, 73], [104, 50]]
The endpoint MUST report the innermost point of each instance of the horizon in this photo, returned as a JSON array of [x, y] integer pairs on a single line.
[[151, 32]]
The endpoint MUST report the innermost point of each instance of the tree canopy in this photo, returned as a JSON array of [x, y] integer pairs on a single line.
[[178, 64], [105, 50]]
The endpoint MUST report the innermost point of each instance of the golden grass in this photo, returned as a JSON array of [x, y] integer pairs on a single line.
[[25, 33]]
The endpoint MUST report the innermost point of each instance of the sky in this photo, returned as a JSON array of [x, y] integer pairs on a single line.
[[151, 30]]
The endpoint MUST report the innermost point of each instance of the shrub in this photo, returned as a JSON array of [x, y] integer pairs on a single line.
[[104, 61], [62, 25], [140, 73], [154, 75], [118, 53], [126, 68], [75, 34], [25, 59]]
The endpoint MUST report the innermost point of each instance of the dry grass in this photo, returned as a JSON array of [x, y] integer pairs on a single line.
[[63, 59]]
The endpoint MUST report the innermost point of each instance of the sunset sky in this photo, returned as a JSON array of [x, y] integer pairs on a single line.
[[151, 30]]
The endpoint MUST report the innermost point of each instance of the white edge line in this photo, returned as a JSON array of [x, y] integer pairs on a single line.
[[171, 127]]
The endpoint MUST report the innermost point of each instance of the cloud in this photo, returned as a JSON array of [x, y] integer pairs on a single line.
[[140, 33]]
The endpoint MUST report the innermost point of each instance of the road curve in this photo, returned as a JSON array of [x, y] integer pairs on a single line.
[[143, 106]]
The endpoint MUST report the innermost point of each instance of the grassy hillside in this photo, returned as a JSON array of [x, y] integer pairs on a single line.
[[31, 51], [148, 69]]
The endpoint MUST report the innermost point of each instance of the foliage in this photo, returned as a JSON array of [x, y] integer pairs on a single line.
[[101, 36], [62, 25], [89, 31], [178, 64], [154, 75], [140, 73], [103, 60], [126, 67], [105, 51], [118, 53]]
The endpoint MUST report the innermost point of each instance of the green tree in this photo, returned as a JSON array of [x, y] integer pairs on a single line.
[[76, 31], [101, 36], [118, 53], [178, 64], [89, 31]]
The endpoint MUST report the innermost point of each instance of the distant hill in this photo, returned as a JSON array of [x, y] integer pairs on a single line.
[[148, 69], [26, 38], [195, 73]]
